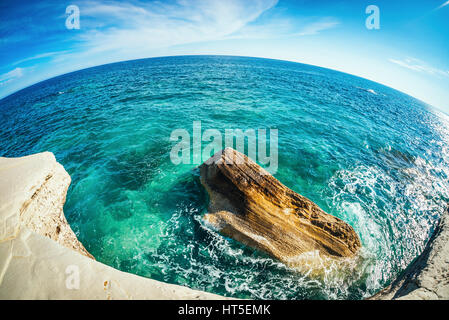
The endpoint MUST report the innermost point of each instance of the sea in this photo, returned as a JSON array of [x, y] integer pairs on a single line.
[[366, 153]]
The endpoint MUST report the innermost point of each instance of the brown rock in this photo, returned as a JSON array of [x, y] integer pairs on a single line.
[[251, 206]]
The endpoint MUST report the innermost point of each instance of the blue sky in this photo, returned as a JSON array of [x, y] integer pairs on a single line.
[[410, 51]]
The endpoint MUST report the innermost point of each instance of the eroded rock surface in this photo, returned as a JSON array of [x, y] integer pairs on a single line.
[[251, 206], [33, 191]]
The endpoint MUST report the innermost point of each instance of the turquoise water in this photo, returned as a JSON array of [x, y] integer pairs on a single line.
[[363, 152]]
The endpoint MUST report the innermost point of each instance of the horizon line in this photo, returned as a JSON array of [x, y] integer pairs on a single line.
[[220, 55]]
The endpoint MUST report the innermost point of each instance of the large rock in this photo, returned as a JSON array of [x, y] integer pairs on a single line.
[[427, 277], [41, 257], [251, 206]]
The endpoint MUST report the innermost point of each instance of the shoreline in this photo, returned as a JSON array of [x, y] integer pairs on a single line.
[[39, 251], [40, 256], [427, 277]]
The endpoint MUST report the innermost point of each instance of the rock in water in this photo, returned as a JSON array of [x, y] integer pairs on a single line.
[[251, 206]]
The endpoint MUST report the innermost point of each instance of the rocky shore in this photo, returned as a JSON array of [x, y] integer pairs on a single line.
[[427, 277], [41, 257]]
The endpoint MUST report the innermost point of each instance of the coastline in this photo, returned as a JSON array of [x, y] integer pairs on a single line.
[[38, 248], [427, 277], [41, 257]]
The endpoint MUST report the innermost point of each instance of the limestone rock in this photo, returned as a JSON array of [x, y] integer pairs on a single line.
[[251, 206], [33, 191]]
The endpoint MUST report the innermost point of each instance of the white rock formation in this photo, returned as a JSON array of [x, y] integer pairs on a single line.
[[40, 256]]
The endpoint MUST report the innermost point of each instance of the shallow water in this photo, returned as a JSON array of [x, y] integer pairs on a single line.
[[368, 154]]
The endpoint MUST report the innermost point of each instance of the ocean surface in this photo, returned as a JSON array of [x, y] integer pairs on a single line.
[[363, 152]]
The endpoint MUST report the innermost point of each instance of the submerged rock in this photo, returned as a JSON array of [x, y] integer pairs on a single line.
[[251, 206]]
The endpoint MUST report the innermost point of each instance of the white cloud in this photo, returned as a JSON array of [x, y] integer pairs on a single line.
[[131, 31], [420, 66], [115, 31], [443, 5], [11, 75], [128, 27], [316, 27], [39, 56]]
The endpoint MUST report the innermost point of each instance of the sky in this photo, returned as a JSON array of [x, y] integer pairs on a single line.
[[409, 51]]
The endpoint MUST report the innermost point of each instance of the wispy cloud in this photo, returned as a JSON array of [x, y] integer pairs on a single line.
[[132, 30], [114, 31], [130, 27], [11, 75], [137, 30], [420, 66], [443, 5], [317, 27], [39, 56]]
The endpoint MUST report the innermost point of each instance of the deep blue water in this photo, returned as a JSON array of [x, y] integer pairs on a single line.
[[363, 152]]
